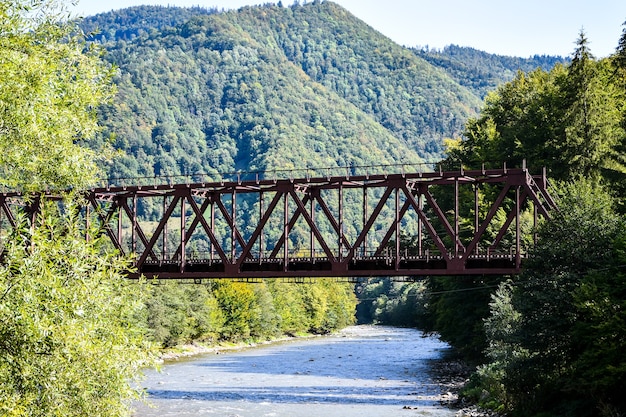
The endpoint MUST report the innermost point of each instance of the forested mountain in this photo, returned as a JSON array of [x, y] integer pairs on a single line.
[[270, 87], [138, 21], [480, 71]]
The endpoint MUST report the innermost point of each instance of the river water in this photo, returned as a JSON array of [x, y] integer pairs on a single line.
[[364, 371]]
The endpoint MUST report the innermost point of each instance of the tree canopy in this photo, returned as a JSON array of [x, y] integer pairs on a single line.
[[52, 84], [69, 344], [569, 119], [555, 333]]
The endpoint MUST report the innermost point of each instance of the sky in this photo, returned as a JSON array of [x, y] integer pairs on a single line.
[[515, 28]]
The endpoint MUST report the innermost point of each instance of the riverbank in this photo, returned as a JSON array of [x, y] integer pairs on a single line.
[[200, 348], [452, 375]]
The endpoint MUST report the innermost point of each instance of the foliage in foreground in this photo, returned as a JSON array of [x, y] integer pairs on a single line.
[[68, 345], [51, 86]]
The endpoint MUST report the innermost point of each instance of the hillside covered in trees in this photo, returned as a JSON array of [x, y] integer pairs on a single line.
[[273, 87]]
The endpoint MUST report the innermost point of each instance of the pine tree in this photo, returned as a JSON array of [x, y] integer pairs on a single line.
[[592, 129], [620, 53]]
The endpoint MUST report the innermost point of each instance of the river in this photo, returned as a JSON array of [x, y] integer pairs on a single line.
[[363, 371]]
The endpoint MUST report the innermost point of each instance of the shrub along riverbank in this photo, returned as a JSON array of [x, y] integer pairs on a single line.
[[227, 311]]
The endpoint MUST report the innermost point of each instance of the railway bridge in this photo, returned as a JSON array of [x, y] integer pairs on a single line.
[[352, 224]]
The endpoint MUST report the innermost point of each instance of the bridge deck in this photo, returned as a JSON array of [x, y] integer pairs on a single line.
[[324, 267]]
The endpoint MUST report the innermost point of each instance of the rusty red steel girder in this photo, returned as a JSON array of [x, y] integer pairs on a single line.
[[202, 232], [288, 228]]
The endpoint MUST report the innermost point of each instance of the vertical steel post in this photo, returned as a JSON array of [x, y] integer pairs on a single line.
[[285, 232], [397, 220], [212, 197], [164, 249], [364, 218], [119, 222], [420, 205], [456, 217], [261, 213], [33, 209], [476, 218], [183, 235], [312, 215], [233, 214], [340, 234], [134, 231]]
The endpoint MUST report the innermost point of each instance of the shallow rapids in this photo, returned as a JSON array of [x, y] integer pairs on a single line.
[[363, 371]]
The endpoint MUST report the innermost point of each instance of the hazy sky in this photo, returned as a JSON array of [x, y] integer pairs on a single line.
[[518, 28]]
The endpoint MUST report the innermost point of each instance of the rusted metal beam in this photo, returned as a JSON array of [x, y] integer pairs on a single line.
[[345, 244]]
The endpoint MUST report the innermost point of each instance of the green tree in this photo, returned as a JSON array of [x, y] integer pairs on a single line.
[[392, 303], [265, 319], [569, 120], [599, 366], [288, 304], [237, 302], [620, 53], [68, 342], [341, 304], [51, 85], [521, 120], [554, 333], [592, 120], [177, 314], [457, 306]]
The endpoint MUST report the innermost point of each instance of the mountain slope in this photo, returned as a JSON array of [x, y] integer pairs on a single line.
[[409, 97], [480, 71], [270, 87]]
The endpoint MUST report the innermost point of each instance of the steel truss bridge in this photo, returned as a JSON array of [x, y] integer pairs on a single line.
[[402, 224]]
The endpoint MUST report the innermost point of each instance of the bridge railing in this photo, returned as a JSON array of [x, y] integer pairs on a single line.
[[272, 175], [317, 255]]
